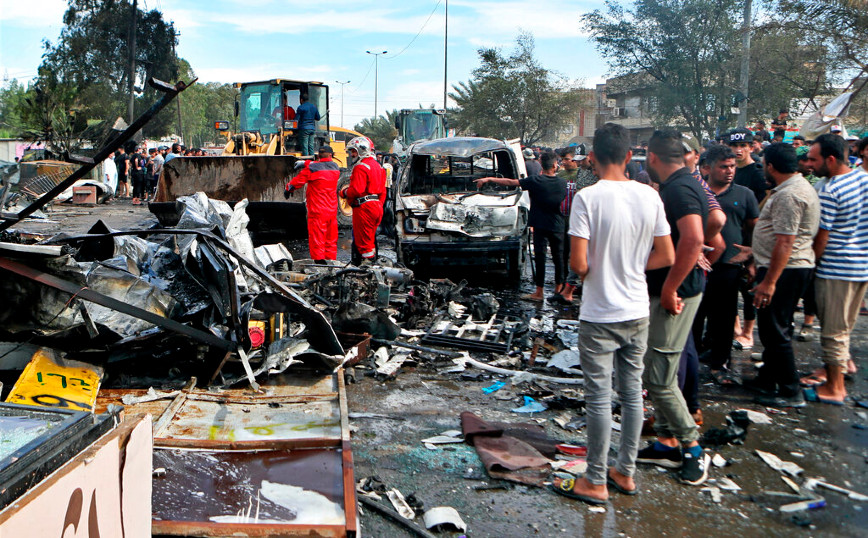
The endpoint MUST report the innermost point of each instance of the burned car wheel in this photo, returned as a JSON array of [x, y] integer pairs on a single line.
[[345, 211]]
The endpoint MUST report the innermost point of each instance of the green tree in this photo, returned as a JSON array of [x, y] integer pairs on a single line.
[[381, 130], [12, 102], [89, 62], [686, 47], [514, 97]]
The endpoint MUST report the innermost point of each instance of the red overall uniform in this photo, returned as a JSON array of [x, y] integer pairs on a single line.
[[366, 193], [321, 178]]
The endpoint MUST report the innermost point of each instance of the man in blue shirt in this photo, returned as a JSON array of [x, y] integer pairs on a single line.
[[307, 115]]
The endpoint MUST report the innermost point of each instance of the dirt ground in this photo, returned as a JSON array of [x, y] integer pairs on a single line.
[[827, 441]]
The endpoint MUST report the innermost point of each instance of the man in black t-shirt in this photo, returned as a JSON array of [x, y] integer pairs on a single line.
[[720, 303], [747, 172], [675, 295], [122, 164], [547, 192]]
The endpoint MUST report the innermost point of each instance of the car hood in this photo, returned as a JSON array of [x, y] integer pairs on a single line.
[[471, 214]]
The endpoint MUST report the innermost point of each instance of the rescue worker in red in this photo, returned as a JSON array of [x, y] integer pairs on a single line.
[[321, 177], [366, 194]]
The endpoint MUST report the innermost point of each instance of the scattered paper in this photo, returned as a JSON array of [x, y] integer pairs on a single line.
[[391, 366], [718, 461], [715, 493], [727, 484], [779, 465], [597, 509], [756, 417], [443, 516], [150, 396], [565, 360], [401, 506]]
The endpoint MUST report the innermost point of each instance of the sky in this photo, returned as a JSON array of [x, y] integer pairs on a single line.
[[248, 40]]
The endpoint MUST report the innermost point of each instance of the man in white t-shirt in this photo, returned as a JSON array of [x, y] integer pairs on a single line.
[[618, 230]]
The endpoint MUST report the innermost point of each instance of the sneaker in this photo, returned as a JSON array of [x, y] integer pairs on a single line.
[[671, 459], [694, 471], [779, 401], [806, 334]]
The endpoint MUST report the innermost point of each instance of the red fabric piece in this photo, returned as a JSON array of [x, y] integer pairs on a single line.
[[368, 178], [321, 178]]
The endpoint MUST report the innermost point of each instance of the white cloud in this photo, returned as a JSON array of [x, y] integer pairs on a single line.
[[27, 15]]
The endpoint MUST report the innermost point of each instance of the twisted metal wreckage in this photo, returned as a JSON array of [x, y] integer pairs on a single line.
[[164, 306]]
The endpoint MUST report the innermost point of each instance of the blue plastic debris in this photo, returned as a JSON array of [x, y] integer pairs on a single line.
[[494, 388], [530, 406]]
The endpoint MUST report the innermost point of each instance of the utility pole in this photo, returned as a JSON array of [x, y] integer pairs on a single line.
[[376, 77], [744, 79], [342, 99], [178, 97], [131, 108], [445, 51]]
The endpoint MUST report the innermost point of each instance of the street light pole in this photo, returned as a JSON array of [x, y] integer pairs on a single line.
[[445, 51], [342, 99], [376, 77]]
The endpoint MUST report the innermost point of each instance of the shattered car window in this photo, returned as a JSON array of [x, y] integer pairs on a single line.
[[435, 174]]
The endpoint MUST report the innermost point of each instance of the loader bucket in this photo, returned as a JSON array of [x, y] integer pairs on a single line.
[[261, 179]]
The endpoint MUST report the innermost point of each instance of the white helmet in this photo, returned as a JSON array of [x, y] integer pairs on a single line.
[[363, 145]]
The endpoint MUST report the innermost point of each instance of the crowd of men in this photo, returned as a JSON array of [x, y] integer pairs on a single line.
[[138, 168], [660, 256]]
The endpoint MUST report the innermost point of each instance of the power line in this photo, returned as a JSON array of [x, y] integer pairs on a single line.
[[359, 85], [417, 33]]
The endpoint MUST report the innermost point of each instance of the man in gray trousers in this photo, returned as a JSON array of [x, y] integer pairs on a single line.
[[618, 230]]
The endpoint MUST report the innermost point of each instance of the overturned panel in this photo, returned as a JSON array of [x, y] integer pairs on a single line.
[[209, 493]]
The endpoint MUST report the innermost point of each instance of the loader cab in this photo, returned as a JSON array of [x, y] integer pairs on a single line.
[[261, 110]]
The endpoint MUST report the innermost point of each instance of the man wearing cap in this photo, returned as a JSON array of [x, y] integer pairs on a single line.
[[530, 163], [747, 174], [321, 178]]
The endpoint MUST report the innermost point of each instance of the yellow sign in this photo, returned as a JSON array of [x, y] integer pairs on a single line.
[[54, 382]]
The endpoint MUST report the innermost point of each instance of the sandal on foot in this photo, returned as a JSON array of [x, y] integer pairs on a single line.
[[565, 488], [741, 347], [611, 481], [724, 378], [812, 396], [812, 380], [557, 298]]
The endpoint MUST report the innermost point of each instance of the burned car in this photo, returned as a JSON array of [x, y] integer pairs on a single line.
[[443, 219]]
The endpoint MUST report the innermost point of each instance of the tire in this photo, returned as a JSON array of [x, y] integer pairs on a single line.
[[345, 211]]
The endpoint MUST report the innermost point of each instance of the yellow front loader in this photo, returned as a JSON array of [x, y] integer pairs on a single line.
[[258, 160]]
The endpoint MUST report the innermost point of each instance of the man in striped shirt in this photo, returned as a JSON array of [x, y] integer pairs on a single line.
[[841, 247]]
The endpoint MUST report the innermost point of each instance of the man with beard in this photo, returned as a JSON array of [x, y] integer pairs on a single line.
[[784, 258], [720, 302], [841, 247], [675, 296]]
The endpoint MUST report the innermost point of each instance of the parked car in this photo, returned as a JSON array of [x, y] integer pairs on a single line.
[[444, 220]]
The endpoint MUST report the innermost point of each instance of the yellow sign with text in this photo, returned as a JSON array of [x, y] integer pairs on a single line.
[[50, 381]]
